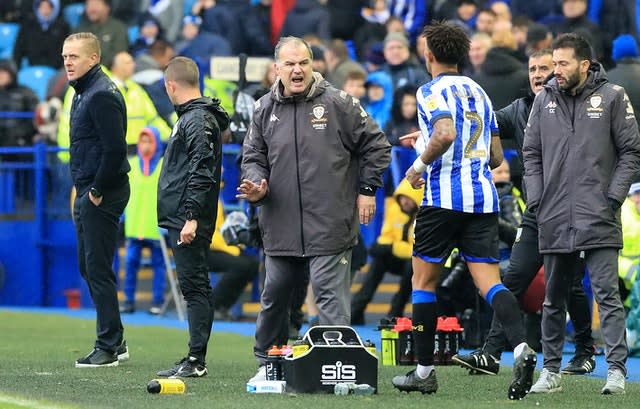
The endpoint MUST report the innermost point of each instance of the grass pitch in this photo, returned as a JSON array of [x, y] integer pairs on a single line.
[[37, 354]]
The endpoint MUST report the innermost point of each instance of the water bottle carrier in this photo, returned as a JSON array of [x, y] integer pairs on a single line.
[[336, 355]]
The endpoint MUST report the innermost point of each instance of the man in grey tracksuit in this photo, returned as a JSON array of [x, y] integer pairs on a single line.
[[313, 160], [581, 152]]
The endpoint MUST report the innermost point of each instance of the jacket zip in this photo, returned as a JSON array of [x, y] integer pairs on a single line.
[[572, 232], [295, 137]]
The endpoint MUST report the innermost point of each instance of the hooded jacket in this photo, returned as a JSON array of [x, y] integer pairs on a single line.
[[190, 176], [316, 150], [141, 215], [397, 227], [503, 77], [581, 154], [14, 130], [380, 110], [40, 39]]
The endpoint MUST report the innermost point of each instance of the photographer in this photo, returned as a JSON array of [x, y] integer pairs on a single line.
[[227, 256]]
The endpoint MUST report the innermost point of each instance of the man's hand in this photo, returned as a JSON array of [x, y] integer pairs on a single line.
[[95, 200], [366, 208], [188, 232], [409, 138], [252, 191], [414, 178]]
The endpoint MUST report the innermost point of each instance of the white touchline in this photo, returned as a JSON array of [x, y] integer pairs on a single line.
[[31, 404]]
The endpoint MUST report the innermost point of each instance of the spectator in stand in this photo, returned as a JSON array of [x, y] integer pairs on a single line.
[[576, 19], [401, 68], [168, 14], [267, 81], [237, 267], [345, 17], [520, 29], [319, 64], [41, 36], [627, 70], [141, 221], [502, 75], [539, 37], [307, 16], [354, 84], [149, 74], [412, 13], [141, 112], [16, 99], [257, 28], [339, 63], [537, 10], [15, 11], [112, 33], [198, 44], [391, 253], [218, 18], [485, 21], [404, 115], [150, 31], [480, 45], [467, 13], [502, 10], [379, 97]]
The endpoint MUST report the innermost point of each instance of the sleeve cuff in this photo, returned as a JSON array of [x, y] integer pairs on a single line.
[[367, 190]]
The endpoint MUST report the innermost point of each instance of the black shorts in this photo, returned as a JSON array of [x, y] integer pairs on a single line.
[[438, 231]]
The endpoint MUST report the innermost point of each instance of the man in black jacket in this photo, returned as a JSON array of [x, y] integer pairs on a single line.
[[525, 259], [99, 167], [187, 201]]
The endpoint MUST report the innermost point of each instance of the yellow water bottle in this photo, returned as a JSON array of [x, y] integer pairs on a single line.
[[300, 347], [166, 386]]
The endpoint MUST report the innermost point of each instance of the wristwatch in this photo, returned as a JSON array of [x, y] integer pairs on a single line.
[[95, 193], [189, 215]]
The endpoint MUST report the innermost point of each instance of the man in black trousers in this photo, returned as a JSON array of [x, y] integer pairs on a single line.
[[99, 169], [188, 191]]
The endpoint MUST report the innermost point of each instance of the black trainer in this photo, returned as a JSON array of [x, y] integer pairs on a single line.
[[123, 351], [478, 362], [97, 358], [579, 365], [187, 367], [412, 382], [523, 369]]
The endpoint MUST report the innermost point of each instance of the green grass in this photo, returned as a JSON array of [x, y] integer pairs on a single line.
[[36, 365]]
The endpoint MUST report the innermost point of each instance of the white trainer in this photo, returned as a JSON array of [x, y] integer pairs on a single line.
[[548, 382], [261, 375], [615, 382]]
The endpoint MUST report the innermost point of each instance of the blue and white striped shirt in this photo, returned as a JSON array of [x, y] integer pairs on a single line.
[[460, 179]]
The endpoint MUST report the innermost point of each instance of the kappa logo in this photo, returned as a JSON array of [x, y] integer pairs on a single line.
[[273, 118], [344, 261], [552, 107]]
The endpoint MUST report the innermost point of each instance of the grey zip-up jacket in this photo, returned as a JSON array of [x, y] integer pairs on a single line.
[[316, 150], [581, 154]]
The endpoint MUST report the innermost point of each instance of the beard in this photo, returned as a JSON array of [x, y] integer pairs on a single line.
[[571, 81]]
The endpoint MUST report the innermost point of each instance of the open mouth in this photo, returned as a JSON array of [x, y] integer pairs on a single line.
[[537, 84], [297, 80]]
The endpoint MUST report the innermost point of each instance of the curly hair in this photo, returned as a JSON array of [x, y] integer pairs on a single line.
[[447, 41]]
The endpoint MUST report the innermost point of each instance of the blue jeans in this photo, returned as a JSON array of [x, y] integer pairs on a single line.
[[134, 249]]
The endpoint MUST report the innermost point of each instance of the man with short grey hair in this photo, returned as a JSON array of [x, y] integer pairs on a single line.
[[312, 161]]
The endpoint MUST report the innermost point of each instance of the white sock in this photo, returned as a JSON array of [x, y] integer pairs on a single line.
[[517, 351], [424, 371]]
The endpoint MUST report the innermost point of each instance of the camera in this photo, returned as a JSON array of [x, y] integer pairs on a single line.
[[238, 229]]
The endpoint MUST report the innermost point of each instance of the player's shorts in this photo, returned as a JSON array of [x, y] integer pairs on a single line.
[[438, 231]]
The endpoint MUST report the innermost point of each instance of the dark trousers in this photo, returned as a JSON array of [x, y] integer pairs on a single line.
[[523, 267], [237, 272], [381, 264], [193, 277], [96, 231]]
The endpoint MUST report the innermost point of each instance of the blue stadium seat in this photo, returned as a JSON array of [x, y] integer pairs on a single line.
[[73, 13], [133, 32], [8, 34], [36, 77]]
